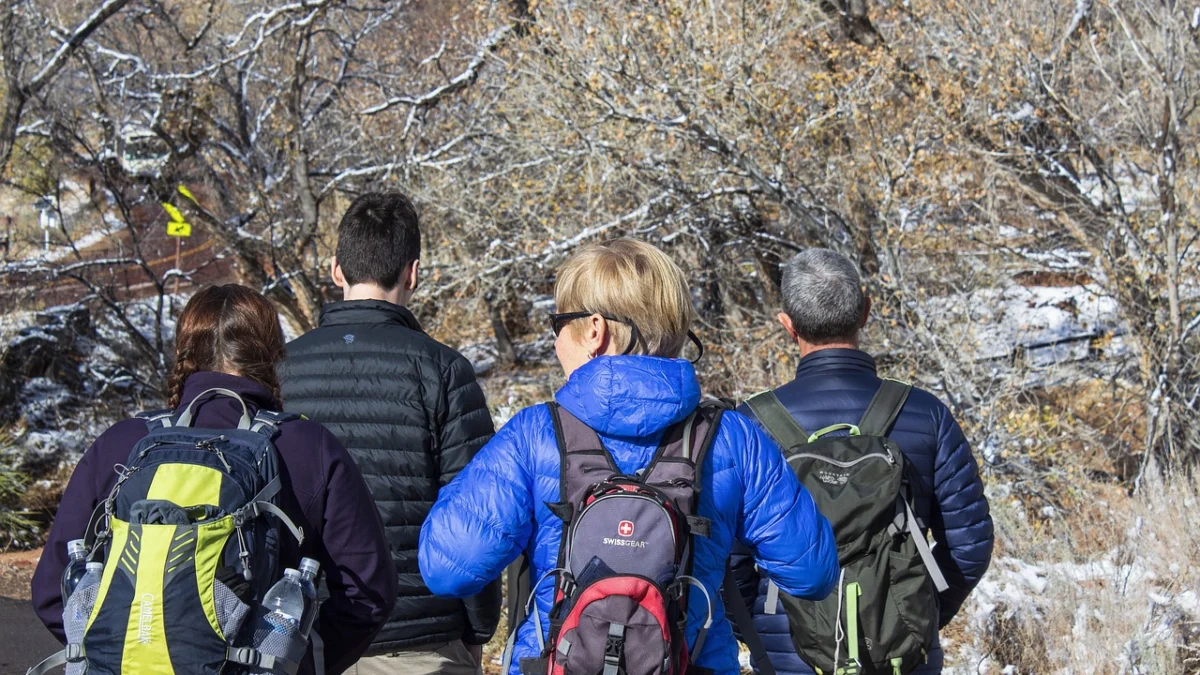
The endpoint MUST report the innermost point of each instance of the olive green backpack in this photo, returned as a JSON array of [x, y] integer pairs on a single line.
[[884, 615]]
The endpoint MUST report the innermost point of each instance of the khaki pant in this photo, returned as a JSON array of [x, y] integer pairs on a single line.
[[453, 658]]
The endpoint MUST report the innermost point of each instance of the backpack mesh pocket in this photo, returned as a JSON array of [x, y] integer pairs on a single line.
[[75, 618], [231, 611], [279, 637]]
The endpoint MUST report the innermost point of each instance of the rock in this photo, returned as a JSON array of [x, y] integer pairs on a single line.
[[50, 352]]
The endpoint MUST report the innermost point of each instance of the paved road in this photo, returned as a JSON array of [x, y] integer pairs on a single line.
[[24, 641]]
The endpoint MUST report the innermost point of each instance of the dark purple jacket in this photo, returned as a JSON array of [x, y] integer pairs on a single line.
[[327, 498]]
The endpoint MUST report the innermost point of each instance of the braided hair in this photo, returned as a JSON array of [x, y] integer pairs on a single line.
[[229, 329]]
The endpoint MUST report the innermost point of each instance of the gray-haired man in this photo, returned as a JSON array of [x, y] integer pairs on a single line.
[[824, 309]]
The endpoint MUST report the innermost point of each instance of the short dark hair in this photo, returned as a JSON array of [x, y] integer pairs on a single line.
[[822, 295], [378, 238]]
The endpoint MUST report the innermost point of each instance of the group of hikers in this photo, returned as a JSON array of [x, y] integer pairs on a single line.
[[632, 511]]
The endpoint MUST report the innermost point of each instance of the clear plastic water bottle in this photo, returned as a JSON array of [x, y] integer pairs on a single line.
[[278, 631], [78, 607], [308, 583], [76, 567], [286, 597]]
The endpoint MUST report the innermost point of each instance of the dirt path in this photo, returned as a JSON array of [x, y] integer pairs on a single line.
[[25, 641], [130, 281]]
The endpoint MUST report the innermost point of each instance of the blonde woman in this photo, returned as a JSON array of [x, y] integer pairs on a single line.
[[624, 319]]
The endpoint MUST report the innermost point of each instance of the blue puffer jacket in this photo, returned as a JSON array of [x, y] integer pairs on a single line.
[[834, 386], [496, 508]]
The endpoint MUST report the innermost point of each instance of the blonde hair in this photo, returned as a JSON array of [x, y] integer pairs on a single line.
[[633, 281]]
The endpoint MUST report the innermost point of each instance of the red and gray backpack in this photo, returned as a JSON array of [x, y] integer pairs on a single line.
[[625, 562]]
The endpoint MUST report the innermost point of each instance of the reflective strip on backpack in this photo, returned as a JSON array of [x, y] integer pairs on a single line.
[[772, 604]]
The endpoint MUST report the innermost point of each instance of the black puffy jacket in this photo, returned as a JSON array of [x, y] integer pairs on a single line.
[[411, 414]]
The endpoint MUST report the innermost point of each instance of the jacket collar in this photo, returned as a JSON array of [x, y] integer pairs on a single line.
[[251, 392], [631, 396], [358, 312], [825, 361]]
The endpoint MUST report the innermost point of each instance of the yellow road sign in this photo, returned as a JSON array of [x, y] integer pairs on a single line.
[[176, 226]]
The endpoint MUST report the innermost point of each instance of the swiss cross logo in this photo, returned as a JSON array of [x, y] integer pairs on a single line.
[[625, 529]]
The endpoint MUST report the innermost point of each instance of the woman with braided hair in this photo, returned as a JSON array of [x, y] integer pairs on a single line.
[[229, 338]]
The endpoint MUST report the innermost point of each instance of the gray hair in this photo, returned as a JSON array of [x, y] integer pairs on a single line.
[[823, 296]]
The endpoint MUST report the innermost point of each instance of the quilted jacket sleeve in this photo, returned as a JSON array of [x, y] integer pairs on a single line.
[[483, 519], [960, 519], [464, 424], [466, 427], [792, 541]]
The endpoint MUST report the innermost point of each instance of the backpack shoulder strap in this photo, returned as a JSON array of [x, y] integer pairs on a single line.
[[884, 408], [677, 466], [710, 413], [778, 422], [267, 422], [745, 622], [157, 419], [583, 459]]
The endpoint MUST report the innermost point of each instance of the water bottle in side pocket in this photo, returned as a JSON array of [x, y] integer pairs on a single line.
[[78, 608], [278, 632]]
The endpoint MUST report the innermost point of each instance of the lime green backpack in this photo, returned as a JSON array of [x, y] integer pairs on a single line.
[[188, 503]]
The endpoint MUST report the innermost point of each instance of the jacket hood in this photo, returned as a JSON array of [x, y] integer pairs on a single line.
[[631, 396]]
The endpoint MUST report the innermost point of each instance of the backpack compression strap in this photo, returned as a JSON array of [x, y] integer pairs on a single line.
[[248, 656], [884, 408], [881, 414], [745, 622], [72, 654], [778, 422]]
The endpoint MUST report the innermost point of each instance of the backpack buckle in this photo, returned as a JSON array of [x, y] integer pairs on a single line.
[[614, 646]]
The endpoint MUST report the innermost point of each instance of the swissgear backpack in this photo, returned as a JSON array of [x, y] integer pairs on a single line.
[[624, 564], [187, 503], [884, 615]]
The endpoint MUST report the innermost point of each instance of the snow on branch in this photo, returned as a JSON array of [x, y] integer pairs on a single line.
[[68, 47], [458, 82]]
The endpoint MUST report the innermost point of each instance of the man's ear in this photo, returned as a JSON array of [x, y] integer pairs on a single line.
[[866, 311], [786, 322], [335, 272], [412, 276]]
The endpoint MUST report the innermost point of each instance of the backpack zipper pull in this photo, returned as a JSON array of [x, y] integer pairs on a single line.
[[243, 552], [210, 444]]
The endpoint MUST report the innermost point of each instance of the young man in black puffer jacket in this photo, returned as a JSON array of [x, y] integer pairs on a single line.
[[412, 415]]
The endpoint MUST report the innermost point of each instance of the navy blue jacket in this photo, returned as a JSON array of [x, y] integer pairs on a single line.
[[836, 385], [324, 494]]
